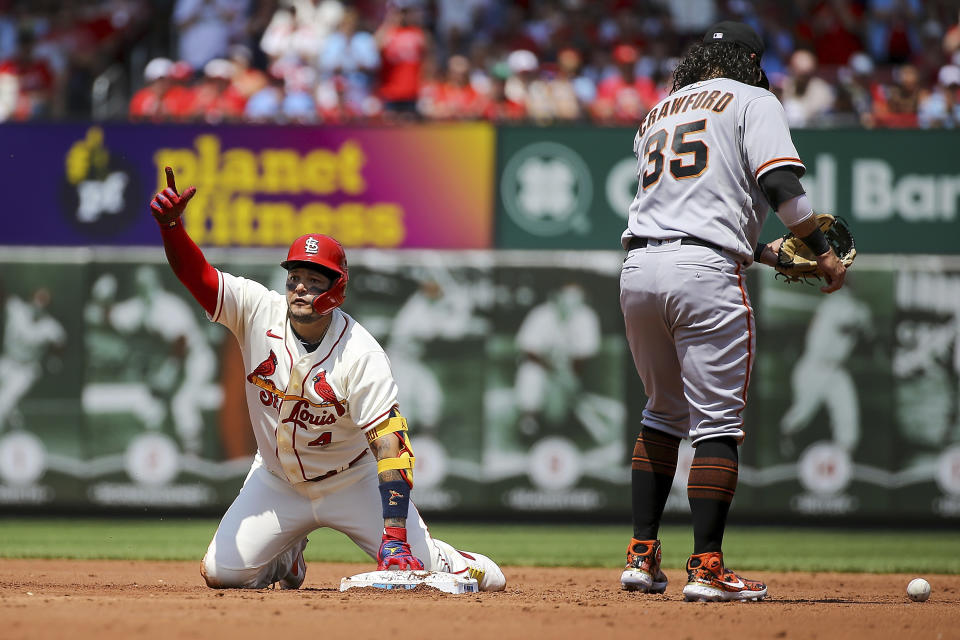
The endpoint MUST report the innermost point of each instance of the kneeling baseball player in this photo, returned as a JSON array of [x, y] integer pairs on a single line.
[[333, 449]]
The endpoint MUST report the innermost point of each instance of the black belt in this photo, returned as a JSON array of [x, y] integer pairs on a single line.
[[334, 472], [640, 243]]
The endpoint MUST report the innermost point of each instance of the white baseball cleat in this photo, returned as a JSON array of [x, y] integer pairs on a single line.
[[486, 572], [298, 569]]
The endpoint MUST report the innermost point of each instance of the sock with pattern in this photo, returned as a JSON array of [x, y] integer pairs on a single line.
[[654, 463], [710, 488]]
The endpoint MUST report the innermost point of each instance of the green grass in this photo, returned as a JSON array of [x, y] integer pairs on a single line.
[[770, 549]]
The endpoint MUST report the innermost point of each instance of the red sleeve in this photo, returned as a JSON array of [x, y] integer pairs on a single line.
[[191, 267]]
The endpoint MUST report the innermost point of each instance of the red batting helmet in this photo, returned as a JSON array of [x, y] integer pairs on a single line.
[[317, 251]]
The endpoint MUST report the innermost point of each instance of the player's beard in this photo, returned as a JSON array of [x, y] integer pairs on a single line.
[[303, 314]]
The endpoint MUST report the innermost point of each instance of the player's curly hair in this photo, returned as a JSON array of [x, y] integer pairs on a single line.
[[716, 60]]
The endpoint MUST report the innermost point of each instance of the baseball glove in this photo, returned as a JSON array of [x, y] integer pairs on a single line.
[[795, 260]]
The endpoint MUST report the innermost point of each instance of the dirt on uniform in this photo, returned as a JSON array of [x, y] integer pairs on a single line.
[[80, 599]]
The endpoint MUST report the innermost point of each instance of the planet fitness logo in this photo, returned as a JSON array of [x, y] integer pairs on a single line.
[[97, 187], [547, 190]]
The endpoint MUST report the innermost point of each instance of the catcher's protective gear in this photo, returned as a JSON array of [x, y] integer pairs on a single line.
[[168, 205], [796, 261], [395, 552], [317, 250]]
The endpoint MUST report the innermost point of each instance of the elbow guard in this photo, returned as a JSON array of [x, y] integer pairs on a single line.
[[780, 185], [403, 462]]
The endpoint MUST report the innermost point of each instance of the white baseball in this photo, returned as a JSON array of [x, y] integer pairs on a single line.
[[918, 589]]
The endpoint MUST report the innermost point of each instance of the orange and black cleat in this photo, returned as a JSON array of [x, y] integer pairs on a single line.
[[642, 572], [709, 581]]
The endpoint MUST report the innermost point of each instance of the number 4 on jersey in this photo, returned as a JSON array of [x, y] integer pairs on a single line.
[[324, 438], [681, 147]]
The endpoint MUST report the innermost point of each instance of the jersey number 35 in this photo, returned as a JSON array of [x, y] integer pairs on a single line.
[[681, 167]]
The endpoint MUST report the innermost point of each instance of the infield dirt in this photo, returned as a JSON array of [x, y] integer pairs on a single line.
[[74, 599]]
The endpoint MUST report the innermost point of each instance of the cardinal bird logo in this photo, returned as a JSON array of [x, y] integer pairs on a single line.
[[265, 369], [325, 391], [393, 497]]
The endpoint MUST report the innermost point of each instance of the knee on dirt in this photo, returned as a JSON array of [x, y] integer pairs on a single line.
[[220, 577]]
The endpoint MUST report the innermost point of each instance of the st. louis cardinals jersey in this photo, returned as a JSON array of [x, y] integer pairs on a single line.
[[309, 410], [700, 152]]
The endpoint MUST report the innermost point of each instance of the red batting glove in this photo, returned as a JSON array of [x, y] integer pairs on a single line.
[[168, 205], [395, 552]]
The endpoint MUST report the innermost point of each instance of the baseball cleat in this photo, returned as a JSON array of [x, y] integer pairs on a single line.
[[485, 571], [709, 581], [298, 569], [642, 572]]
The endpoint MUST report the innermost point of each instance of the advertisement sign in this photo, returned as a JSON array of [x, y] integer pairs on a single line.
[[563, 188], [425, 187], [571, 187], [899, 189]]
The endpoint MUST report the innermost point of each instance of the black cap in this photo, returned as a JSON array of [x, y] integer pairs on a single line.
[[742, 34]]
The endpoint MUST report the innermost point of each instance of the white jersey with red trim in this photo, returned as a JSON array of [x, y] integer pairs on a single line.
[[309, 410], [700, 152]]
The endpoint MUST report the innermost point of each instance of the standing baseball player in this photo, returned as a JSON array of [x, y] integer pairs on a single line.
[[713, 157], [332, 446]]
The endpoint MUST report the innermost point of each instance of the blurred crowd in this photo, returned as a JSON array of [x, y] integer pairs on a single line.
[[870, 63]]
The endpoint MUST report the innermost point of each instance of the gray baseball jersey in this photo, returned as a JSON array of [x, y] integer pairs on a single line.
[[700, 152]]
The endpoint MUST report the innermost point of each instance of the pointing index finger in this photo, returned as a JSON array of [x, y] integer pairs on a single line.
[[171, 181]]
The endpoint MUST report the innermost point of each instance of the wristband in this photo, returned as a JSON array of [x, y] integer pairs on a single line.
[[758, 251], [817, 242], [397, 533], [395, 497]]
